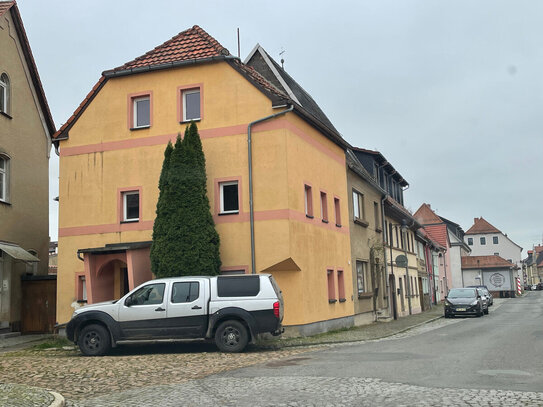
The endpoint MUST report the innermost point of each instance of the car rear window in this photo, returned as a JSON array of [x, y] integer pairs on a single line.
[[234, 286]]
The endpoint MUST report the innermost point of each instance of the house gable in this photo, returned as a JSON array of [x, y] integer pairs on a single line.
[[12, 26]]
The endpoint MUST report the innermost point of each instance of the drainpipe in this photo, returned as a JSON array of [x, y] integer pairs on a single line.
[[250, 156]]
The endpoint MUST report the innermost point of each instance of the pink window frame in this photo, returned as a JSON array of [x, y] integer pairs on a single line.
[[180, 90], [308, 200], [79, 287], [331, 285], [324, 206], [120, 204], [341, 285], [217, 187], [130, 108], [337, 209]]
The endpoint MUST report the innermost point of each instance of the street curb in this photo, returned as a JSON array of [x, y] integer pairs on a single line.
[[58, 401], [295, 345]]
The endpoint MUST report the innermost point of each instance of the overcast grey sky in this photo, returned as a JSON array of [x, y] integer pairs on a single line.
[[451, 92]]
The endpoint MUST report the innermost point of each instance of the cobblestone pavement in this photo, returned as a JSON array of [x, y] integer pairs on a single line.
[[77, 377], [309, 391], [14, 395]]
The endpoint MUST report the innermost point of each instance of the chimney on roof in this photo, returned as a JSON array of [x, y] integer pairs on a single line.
[[475, 220]]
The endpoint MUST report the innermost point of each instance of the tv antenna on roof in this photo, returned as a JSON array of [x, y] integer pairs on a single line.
[[282, 59]]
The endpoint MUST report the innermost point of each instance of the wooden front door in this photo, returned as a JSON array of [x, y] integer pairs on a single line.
[[38, 307]]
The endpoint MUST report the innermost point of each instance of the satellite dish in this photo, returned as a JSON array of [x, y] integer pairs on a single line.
[[401, 261]]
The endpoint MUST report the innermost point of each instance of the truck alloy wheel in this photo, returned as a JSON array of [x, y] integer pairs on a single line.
[[94, 340], [231, 336]]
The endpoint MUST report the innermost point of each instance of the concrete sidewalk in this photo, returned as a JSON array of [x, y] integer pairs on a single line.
[[11, 342], [376, 330]]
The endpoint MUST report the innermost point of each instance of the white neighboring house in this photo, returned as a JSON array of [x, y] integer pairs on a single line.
[[485, 240]]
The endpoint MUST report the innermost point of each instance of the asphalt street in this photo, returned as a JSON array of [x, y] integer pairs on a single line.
[[492, 360]]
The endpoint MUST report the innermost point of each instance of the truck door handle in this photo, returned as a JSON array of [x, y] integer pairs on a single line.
[[160, 309], [196, 307]]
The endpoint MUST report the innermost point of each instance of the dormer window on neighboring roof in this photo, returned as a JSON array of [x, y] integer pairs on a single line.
[[4, 93]]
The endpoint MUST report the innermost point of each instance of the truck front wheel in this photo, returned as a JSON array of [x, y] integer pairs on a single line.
[[94, 340], [231, 336]]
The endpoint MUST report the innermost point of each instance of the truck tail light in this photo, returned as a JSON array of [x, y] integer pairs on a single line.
[[276, 306]]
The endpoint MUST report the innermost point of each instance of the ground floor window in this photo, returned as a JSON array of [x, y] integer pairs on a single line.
[[331, 286], [361, 270]]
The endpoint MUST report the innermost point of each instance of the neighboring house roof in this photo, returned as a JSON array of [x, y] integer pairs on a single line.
[[358, 168], [481, 226], [426, 236], [485, 262], [426, 216], [11, 6], [437, 226], [260, 60], [438, 233], [383, 162], [398, 212], [195, 46]]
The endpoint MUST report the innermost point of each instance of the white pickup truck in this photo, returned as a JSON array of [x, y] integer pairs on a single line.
[[231, 310]]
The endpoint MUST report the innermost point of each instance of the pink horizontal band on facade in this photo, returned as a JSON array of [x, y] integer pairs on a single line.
[[111, 228], [204, 134], [278, 214]]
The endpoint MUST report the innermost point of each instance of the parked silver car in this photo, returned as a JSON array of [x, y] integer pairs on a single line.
[[490, 298]]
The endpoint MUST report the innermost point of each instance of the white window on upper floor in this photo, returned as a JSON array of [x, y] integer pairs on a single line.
[[4, 178], [131, 206], [191, 105], [141, 112], [229, 197], [495, 239], [5, 93]]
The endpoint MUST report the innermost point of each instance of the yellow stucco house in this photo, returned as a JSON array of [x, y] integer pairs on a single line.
[[111, 153]]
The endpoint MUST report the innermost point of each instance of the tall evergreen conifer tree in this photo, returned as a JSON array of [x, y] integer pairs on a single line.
[[185, 241]]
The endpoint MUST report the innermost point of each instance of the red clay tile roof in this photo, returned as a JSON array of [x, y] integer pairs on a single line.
[[438, 233], [426, 216], [6, 6], [193, 43], [480, 225], [482, 262], [196, 45]]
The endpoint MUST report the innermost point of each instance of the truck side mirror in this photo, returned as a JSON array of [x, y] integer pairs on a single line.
[[129, 301]]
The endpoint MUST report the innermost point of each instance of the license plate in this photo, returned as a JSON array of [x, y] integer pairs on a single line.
[[460, 309]]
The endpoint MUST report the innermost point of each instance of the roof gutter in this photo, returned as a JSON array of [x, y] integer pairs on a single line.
[[113, 73], [251, 203]]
